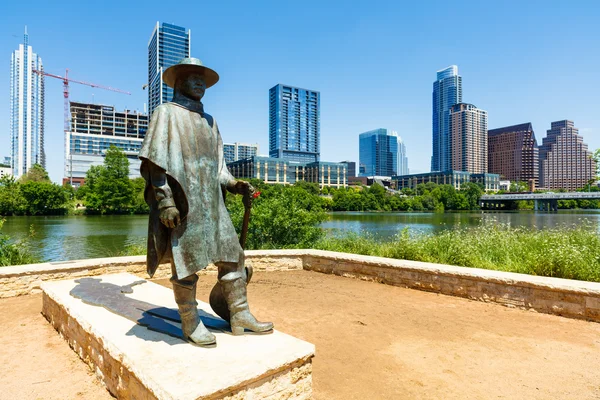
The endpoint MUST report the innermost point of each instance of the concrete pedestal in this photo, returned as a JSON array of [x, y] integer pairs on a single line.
[[125, 334]]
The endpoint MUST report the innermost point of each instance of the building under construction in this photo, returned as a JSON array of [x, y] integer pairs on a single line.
[[96, 127]]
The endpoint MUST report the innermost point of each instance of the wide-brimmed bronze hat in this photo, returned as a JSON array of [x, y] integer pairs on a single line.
[[187, 65]]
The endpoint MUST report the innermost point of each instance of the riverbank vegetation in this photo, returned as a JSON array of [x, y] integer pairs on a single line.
[[109, 190], [33, 194], [571, 253], [12, 253], [290, 217]]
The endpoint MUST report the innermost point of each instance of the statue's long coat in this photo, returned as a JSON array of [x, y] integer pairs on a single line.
[[187, 145]]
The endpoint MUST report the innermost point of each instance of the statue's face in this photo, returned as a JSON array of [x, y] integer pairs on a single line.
[[193, 86]]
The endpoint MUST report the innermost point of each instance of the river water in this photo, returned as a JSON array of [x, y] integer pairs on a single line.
[[78, 237]]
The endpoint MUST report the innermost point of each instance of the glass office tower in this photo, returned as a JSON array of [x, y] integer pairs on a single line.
[[167, 46], [26, 109], [378, 153], [447, 91], [294, 124]]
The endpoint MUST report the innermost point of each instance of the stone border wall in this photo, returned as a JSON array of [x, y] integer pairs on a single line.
[[568, 298], [26, 279], [565, 297]]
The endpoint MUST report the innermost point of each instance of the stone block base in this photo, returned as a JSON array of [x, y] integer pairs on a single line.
[[124, 331]]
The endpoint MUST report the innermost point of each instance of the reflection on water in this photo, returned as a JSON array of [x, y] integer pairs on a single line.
[[78, 237], [386, 225]]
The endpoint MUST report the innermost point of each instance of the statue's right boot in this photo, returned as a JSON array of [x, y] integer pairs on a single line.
[[191, 325], [240, 317]]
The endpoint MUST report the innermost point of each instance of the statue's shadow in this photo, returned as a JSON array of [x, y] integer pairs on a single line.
[[153, 323]]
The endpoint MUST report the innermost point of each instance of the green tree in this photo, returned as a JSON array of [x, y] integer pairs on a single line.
[[36, 173], [44, 198], [109, 189], [473, 193], [282, 217], [519, 186], [11, 200], [139, 202]]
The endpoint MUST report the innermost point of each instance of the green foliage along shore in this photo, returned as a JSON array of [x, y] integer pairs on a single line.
[[425, 197], [289, 217], [571, 253], [108, 189], [33, 194], [14, 253]]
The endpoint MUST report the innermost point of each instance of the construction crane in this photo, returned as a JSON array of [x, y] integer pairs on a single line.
[[66, 81]]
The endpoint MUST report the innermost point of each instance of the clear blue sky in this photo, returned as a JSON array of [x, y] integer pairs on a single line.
[[374, 64]]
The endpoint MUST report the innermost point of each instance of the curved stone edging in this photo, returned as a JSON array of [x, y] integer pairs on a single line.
[[569, 298]]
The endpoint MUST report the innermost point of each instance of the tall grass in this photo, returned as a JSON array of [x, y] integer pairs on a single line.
[[567, 252], [15, 253], [572, 253]]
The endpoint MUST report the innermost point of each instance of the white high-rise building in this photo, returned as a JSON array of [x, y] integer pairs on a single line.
[[239, 151], [402, 158], [26, 109]]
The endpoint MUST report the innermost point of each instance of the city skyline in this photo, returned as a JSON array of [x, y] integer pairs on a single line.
[[392, 93]]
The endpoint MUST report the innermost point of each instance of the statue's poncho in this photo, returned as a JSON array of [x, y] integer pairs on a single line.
[[187, 145]]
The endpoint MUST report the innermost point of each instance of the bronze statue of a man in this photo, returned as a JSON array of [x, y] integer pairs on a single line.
[[186, 175]]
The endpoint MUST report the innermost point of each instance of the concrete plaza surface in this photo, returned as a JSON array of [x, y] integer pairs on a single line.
[[372, 341]]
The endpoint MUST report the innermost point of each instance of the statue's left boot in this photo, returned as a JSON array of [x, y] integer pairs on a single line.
[[233, 287]]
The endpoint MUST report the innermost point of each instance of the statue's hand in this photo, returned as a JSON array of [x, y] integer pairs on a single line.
[[169, 217], [244, 188]]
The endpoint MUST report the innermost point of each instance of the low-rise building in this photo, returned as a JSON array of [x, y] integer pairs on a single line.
[[490, 182], [5, 171], [282, 171], [504, 185]]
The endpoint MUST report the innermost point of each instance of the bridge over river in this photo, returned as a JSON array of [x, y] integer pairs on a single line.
[[543, 201]]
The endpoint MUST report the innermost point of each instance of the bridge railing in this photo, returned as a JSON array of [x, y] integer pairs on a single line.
[[542, 196]]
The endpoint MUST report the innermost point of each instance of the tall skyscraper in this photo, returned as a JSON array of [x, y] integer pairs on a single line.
[[238, 151], [167, 45], [96, 127], [378, 153], [447, 91], [565, 161], [402, 158], [294, 124], [468, 139], [513, 153], [26, 109]]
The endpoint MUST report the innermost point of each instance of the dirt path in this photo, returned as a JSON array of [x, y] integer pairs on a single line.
[[373, 342], [36, 363]]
